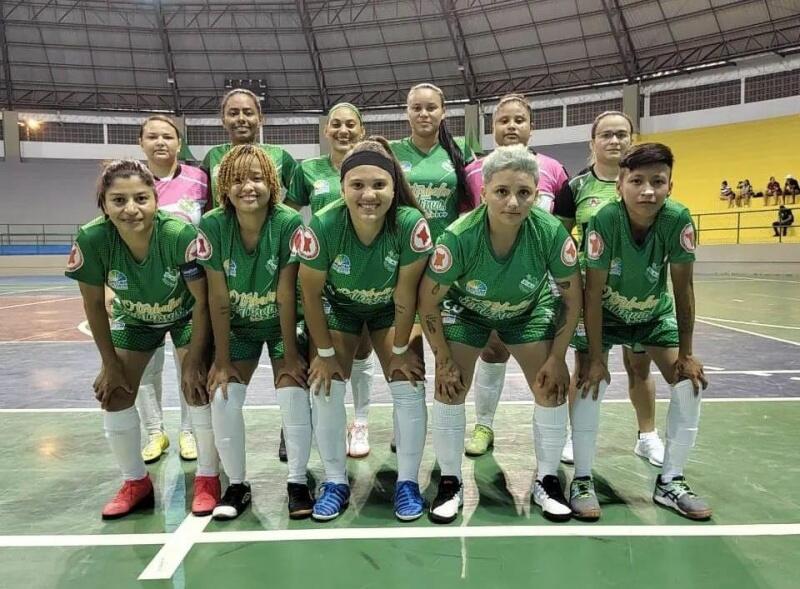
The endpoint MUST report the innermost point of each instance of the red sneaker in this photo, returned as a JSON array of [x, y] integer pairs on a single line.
[[207, 492], [132, 496]]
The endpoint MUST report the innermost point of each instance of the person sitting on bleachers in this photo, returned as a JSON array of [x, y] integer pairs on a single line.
[[790, 188], [726, 193], [785, 220], [773, 189], [744, 191]]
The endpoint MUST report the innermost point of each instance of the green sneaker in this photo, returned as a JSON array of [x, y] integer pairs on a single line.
[[481, 441]]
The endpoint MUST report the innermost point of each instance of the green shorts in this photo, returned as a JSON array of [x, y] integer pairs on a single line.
[[247, 343], [349, 321], [660, 333], [466, 327], [145, 338]]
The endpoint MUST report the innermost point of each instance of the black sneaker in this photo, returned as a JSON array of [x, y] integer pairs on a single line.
[[282, 449], [233, 502], [449, 498], [548, 494], [301, 502]]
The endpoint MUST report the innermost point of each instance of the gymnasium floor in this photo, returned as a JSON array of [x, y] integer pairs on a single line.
[[57, 474]]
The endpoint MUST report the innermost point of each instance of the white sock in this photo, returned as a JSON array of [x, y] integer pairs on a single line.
[[207, 457], [361, 385], [186, 413], [411, 419], [549, 436], [125, 438], [330, 421], [585, 423], [683, 417], [228, 421], [448, 424], [148, 398], [296, 418], [489, 381]]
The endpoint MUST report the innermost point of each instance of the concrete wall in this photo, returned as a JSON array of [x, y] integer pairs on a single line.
[[775, 259]]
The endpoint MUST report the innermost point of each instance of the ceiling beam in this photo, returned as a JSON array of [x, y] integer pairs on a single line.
[[172, 79], [460, 46], [6, 64], [313, 53], [622, 37]]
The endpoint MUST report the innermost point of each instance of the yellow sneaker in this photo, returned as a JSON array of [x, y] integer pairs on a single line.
[[156, 445], [187, 446]]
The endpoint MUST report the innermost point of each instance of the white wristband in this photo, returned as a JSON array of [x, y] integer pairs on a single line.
[[399, 349], [326, 352]]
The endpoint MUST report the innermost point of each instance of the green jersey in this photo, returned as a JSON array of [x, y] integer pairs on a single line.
[[433, 180], [494, 287], [150, 292], [285, 165], [252, 277], [636, 289], [316, 184], [362, 278], [580, 200]]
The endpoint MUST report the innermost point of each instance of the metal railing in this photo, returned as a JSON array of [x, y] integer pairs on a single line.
[[37, 234], [742, 227]]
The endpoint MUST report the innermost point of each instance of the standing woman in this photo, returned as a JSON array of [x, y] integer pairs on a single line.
[[362, 258], [183, 193], [245, 245], [512, 123], [316, 185], [148, 259]]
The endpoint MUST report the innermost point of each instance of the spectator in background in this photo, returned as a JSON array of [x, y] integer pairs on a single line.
[[726, 193], [773, 189], [790, 188], [743, 192], [785, 220]]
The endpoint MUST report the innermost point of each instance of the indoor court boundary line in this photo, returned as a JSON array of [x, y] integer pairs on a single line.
[[753, 323], [772, 337], [171, 555], [39, 303]]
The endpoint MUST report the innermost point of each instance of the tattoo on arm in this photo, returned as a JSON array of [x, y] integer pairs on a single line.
[[564, 285], [436, 288], [430, 323], [400, 308]]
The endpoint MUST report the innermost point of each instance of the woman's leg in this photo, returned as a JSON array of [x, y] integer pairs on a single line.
[[490, 376]]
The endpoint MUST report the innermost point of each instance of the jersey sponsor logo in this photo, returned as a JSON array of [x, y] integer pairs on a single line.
[[441, 260], [529, 284], [595, 245], [496, 309], [632, 309], [254, 306], [616, 267], [341, 264], [75, 261], [421, 237], [117, 280], [373, 296], [477, 288], [450, 312], [321, 187], [117, 325], [307, 244], [202, 245], [272, 265], [391, 260], [229, 267], [406, 166], [296, 240], [653, 272], [687, 238], [170, 277], [569, 252]]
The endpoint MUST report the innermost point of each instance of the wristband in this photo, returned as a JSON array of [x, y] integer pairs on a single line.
[[326, 352], [399, 349]]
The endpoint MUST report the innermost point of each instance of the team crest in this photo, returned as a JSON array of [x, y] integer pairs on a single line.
[[390, 261], [569, 252], [272, 265], [170, 277], [653, 272], [296, 240], [616, 267], [202, 247], [75, 261], [687, 238], [117, 280], [441, 260], [477, 288], [321, 187], [229, 267], [596, 246], [421, 237], [341, 264], [307, 244]]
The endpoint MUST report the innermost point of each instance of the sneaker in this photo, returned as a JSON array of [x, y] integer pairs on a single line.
[[650, 447], [206, 494], [233, 503], [132, 496], [358, 440], [408, 502], [567, 455], [156, 445], [481, 441], [282, 456], [393, 445], [301, 502], [583, 499], [548, 495], [449, 498], [187, 446], [332, 501], [678, 496]]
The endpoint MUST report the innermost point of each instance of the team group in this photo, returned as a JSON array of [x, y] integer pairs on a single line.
[[409, 238]]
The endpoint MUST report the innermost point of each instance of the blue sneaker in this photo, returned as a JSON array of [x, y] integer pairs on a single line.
[[408, 502], [333, 500]]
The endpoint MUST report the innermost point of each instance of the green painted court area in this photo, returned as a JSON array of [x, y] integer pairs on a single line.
[[57, 474]]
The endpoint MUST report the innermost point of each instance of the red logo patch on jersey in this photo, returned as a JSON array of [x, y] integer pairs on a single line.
[[296, 241], [596, 246], [569, 253], [421, 237], [75, 261], [309, 248], [687, 238], [441, 260], [202, 247]]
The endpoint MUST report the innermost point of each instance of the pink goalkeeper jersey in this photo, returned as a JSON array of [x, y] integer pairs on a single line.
[[552, 178], [185, 194]]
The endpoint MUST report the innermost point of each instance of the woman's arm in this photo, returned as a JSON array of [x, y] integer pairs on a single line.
[[449, 382]]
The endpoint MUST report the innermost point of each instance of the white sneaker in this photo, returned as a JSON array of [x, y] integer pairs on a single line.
[[358, 440], [567, 456], [548, 494], [449, 498], [650, 447]]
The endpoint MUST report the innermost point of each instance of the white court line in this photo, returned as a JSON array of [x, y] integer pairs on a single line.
[[753, 323], [82, 540], [777, 339], [794, 378], [16, 292], [171, 555], [39, 303], [44, 341], [752, 279]]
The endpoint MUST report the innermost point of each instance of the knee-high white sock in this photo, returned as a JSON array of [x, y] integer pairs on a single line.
[[448, 424], [296, 418], [228, 421], [585, 423], [125, 438], [361, 385], [683, 417], [207, 457], [186, 413], [549, 436], [148, 398], [489, 381], [411, 419], [330, 421]]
